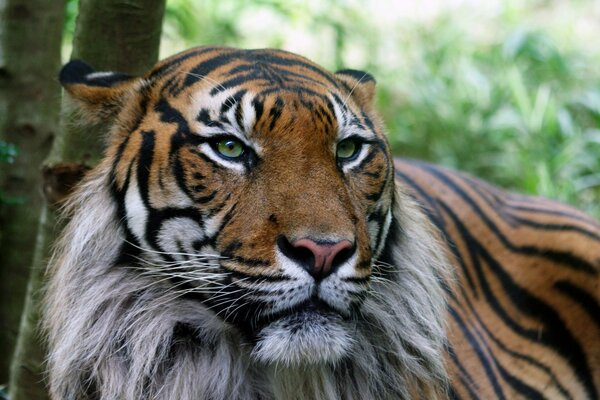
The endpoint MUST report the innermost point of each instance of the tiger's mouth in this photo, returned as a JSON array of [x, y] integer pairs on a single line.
[[310, 333], [312, 306], [295, 317]]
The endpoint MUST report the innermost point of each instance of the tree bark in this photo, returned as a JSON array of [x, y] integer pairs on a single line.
[[117, 35], [30, 43]]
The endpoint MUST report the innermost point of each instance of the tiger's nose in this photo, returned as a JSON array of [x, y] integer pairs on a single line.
[[320, 258]]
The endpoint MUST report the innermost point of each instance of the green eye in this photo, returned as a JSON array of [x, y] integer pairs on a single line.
[[347, 149], [230, 148]]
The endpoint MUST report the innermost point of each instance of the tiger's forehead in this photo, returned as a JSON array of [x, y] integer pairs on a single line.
[[262, 71], [230, 90]]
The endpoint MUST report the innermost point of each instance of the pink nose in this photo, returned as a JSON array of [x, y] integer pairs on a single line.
[[326, 256]]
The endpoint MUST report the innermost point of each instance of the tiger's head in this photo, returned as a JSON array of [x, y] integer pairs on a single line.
[[246, 205]]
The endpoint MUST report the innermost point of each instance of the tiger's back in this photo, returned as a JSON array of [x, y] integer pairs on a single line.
[[524, 313]]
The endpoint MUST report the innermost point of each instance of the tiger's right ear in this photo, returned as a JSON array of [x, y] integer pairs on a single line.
[[97, 95]]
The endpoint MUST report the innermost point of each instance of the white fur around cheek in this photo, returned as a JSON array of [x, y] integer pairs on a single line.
[[347, 269], [384, 232], [136, 211], [179, 234]]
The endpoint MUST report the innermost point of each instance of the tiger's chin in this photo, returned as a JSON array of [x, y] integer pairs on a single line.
[[306, 337]]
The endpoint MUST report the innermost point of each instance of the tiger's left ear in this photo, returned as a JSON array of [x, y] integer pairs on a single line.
[[97, 95], [360, 85]]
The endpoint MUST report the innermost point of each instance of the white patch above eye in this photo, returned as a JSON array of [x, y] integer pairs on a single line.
[[203, 101], [340, 114], [248, 112]]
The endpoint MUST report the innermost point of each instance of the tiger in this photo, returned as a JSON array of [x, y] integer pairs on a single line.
[[248, 234]]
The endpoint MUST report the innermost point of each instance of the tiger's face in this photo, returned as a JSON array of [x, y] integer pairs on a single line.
[[255, 183]]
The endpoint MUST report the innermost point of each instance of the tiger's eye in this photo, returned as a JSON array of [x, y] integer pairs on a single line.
[[230, 148], [347, 149]]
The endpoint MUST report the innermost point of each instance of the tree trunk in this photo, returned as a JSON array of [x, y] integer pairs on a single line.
[[30, 43], [117, 35]]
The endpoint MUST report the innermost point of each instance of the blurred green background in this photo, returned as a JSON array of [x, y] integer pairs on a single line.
[[506, 90]]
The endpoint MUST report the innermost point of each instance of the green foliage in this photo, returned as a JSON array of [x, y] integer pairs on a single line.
[[519, 112], [511, 95]]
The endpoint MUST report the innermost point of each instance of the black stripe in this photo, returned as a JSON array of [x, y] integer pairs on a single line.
[[517, 384], [554, 334], [467, 381], [130, 249], [584, 299], [253, 278], [275, 112], [170, 64], [204, 117], [568, 259], [432, 208], [231, 101], [515, 354], [433, 212], [486, 364], [358, 280], [171, 115], [552, 212], [262, 74], [145, 158], [230, 83], [503, 210], [379, 218], [300, 90], [251, 56], [368, 122], [248, 262], [258, 108]]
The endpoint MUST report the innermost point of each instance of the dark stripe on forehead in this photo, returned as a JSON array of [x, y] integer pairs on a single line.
[[294, 89], [259, 106], [251, 56], [270, 58], [368, 122], [177, 60], [230, 83], [275, 112], [204, 117], [232, 100], [171, 115], [288, 74]]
